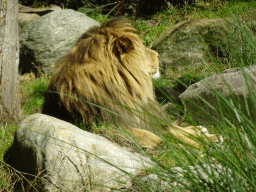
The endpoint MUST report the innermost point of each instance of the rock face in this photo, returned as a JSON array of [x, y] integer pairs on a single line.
[[188, 44], [49, 37], [66, 158], [232, 85]]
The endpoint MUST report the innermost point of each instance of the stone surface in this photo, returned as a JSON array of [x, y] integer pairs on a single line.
[[49, 37], [177, 178], [205, 99], [71, 159], [25, 18]]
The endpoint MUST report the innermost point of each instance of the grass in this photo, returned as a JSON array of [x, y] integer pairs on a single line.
[[33, 90], [6, 139], [237, 154]]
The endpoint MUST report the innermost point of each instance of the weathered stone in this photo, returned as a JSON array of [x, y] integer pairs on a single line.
[[25, 18], [67, 158], [49, 37], [205, 99], [154, 183], [177, 177]]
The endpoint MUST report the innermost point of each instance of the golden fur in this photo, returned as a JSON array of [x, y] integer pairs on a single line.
[[106, 77]]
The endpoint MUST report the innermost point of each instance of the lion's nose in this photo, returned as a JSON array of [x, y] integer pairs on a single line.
[[156, 75]]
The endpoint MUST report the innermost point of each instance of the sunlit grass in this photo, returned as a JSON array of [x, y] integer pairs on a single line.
[[33, 94]]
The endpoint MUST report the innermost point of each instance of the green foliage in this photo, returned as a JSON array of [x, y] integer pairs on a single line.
[[94, 14], [149, 30], [33, 95], [6, 139], [236, 155]]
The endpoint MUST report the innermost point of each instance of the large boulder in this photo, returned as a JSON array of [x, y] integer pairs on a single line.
[[49, 37], [190, 44], [208, 98], [66, 158]]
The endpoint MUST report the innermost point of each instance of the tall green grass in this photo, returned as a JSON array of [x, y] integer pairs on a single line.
[[232, 163]]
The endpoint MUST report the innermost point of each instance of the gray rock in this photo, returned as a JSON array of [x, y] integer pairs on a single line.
[[49, 37], [231, 85], [155, 183], [66, 158], [188, 44], [178, 177]]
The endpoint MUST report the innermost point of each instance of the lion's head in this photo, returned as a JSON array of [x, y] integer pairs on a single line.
[[106, 74]]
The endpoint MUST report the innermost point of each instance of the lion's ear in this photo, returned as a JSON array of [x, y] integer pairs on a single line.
[[123, 45]]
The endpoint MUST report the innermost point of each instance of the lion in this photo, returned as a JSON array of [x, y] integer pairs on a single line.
[[106, 77]]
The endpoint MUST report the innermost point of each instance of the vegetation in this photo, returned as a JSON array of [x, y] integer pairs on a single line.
[[236, 155], [33, 90]]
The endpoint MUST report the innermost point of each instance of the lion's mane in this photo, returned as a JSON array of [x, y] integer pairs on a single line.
[[104, 76]]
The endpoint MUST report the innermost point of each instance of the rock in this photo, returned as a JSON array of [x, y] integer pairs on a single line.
[[155, 183], [38, 11], [28, 14], [176, 177], [49, 37], [25, 18], [188, 43], [231, 85], [66, 158], [170, 101]]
